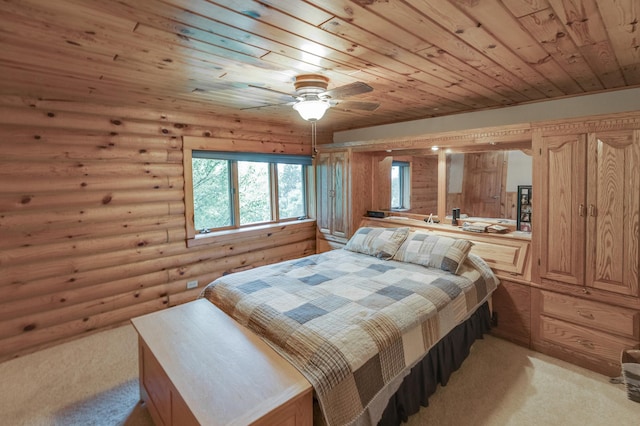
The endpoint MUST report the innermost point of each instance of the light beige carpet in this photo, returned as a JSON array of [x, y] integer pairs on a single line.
[[93, 381]]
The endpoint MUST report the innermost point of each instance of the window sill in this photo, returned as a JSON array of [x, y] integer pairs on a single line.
[[219, 237]]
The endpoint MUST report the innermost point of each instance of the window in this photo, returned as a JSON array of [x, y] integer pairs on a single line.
[[400, 179], [232, 190]]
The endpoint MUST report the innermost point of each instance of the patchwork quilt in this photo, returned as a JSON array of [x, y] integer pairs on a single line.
[[351, 323]]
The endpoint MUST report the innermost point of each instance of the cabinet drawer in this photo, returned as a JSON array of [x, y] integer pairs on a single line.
[[582, 339], [622, 321]]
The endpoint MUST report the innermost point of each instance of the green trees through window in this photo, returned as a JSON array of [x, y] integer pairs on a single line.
[[231, 191], [211, 193]]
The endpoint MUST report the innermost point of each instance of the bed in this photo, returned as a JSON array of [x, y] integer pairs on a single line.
[[357, 321]]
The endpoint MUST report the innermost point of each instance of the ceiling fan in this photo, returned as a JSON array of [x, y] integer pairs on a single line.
[[312, 99]]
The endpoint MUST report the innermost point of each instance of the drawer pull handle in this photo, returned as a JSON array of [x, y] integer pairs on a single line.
[[587, 315], [587, 344]]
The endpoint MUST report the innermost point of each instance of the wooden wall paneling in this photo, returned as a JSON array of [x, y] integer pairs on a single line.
[[113, 198], [48, 316], [512, 308], [205, 272], [92, 223], [31, 254], [47, 272], [443, 183], [207, 125], [454, 200], [46, 235], [104, 121], [424, 185], [30, 339], [72, 296], [281, 247], [511, 205], [381, 190]]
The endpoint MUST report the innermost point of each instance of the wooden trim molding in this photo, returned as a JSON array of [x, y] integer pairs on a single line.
[[483, 136], [501, 135], [623, 121], [245, 145]]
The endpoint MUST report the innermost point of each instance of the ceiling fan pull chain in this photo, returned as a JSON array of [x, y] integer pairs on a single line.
[[313, 139]]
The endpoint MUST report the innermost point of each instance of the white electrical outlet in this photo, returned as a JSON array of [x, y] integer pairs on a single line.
[[192, 284]]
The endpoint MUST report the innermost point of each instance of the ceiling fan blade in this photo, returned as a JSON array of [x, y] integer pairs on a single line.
[[359, 105], [253, 86], [267, 105], [347, 90]]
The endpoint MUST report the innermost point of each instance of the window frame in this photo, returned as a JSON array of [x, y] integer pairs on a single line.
[[191, 144]]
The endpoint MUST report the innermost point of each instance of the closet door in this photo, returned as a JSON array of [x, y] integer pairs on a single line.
[[613, 195], [332, 185], [340, 168], [324, 186], [562, 233]]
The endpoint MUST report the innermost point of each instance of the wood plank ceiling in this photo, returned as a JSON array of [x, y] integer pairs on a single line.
[[423, 58]]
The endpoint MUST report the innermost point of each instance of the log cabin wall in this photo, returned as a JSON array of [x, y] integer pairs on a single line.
[[92, 226]]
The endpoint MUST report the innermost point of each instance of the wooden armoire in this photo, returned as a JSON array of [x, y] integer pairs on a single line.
[[585, 299]]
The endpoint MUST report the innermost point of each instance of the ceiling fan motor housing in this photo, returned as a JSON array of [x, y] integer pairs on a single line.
[[311, 84]]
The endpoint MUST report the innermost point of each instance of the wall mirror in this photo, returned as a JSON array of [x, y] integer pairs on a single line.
[[481, 181], [485, 184]]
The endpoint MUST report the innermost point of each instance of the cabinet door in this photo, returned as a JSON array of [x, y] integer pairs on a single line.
[[562, 233], [340, 167], [323, 188], [613, 194], [332, 184]]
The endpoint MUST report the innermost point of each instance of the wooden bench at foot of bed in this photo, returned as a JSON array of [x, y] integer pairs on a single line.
[[199, 366]]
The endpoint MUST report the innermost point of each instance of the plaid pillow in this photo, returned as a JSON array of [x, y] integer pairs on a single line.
[[379, 242], [434, 250], [475, 268]]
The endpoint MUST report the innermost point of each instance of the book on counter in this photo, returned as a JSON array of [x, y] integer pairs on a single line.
[[475, 226], [497, 229], [484, 227]]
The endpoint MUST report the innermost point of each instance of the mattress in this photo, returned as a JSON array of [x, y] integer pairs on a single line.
[[351, 323]]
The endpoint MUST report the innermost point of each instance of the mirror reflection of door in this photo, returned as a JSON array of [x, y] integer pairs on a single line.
[[483, 183]]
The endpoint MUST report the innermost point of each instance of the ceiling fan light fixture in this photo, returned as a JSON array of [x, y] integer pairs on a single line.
[[311, 110]]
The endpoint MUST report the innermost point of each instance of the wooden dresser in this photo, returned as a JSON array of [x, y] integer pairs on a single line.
[[199, 367]]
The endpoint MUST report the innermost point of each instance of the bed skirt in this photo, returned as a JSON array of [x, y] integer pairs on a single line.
[[435, 368]]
